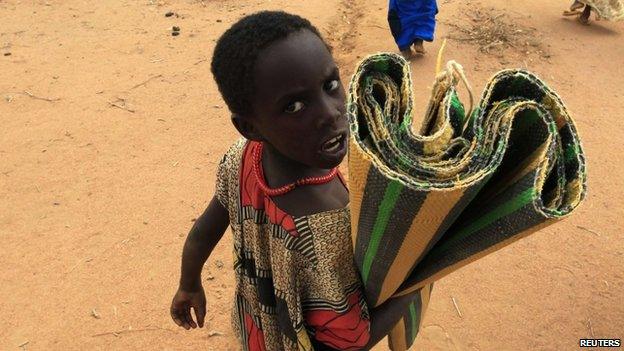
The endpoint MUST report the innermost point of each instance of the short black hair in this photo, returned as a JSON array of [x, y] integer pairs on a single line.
[[237, 50]]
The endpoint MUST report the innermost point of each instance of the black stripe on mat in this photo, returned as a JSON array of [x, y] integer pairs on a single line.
[[376, 184], [517, 85], [451, 217], [406, 207], [393, 308], [568, 140], [496, 232], [518, 222], [528, 132]]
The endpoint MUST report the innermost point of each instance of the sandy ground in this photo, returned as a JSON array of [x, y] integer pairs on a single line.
[[112, 127]]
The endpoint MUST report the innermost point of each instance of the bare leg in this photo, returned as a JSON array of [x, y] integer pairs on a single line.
[[584, 17]]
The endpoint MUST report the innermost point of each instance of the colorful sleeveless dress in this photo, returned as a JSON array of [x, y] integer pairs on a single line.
[[296, 281]]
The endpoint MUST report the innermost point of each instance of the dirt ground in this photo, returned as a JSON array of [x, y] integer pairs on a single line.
[[112, 127]]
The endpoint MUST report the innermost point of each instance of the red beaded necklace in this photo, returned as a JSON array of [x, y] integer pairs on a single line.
[[257, 169]]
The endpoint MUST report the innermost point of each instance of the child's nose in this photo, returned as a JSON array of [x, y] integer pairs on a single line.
[[329, 114]]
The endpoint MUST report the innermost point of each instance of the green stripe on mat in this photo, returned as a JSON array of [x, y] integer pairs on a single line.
[[393, 189], [526, 121], [501, 211], [571, 151], [457, 105], [382, 66], [413, 324]]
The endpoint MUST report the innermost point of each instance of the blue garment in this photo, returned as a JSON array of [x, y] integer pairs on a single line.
[[411, 20]]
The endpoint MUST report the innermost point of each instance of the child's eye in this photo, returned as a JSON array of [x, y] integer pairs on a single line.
[[332, 85], [294, 107]]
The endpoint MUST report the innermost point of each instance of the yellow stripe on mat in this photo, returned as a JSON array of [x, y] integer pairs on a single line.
[[303, 340], [473, 258], [425, 294], [433, 211], [359, 166], [554, 107], [397, 337]]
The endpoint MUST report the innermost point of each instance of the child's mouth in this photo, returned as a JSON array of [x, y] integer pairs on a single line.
[[333, 145]]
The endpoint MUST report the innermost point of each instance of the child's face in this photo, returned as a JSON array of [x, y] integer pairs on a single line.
[[299, 107]]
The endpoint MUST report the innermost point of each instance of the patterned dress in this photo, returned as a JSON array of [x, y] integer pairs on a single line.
[[611, 10], [296, 281]]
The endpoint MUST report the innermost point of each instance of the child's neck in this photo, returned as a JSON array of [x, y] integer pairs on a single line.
[[279, 169]]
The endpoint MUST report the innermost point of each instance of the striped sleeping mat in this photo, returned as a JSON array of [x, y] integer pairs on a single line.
[[471, 182]]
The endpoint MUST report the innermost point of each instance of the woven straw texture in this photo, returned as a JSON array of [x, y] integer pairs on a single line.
[[424, 205]]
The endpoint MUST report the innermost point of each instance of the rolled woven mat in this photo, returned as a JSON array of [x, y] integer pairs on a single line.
[[424, 205]]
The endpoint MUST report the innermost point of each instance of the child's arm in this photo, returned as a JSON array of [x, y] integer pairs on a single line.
[[203, 237]]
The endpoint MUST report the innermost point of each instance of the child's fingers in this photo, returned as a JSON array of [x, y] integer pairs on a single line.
[[184, 316], [189, 318], [185, 313], [177, 321], [174, 316], [200, 313], [178, 317]]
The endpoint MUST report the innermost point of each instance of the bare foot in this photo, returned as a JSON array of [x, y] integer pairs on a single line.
[[407, 54], [575, 9], [571, 12], [419, 49]]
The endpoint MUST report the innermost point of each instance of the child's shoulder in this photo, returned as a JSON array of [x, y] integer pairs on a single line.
[[228, 171], [234, 154]]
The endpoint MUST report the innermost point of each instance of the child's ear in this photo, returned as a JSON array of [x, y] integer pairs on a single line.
[[246, 128]]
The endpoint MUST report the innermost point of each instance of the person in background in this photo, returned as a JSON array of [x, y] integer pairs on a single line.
[[610, 10], [412, 22]]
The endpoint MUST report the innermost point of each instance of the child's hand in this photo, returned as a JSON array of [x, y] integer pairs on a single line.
[[181, 308], [207, 230]]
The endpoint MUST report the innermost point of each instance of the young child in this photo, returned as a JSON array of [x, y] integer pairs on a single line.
[[279, 188], [412, 22]]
